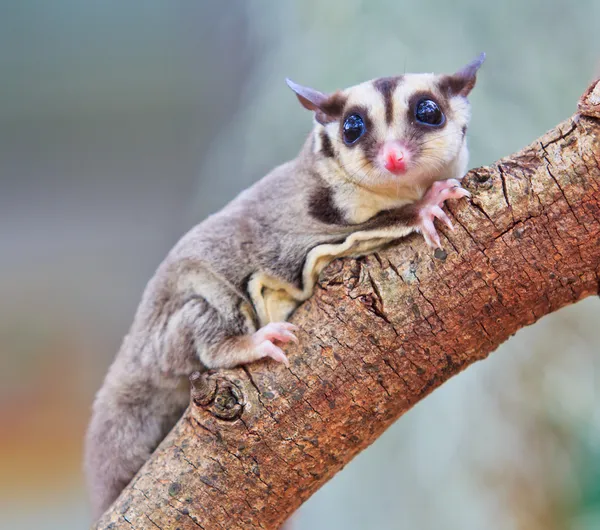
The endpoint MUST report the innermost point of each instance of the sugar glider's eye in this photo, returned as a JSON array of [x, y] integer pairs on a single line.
[[354, 128], [428, 112]]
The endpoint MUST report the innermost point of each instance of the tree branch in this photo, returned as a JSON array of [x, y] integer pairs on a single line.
[[379, 335]]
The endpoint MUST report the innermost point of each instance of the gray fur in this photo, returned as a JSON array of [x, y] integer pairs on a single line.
[[179, 329], [200, 311]]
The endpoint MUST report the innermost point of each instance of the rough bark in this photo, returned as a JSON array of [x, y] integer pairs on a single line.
[[379, 335]]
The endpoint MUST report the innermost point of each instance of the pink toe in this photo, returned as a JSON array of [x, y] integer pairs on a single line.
[[274, 352], [283, 336]]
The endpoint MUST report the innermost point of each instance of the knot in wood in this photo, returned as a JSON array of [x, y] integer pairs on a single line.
[[440, 254], [218, 395], [480, 179], [589, 103]]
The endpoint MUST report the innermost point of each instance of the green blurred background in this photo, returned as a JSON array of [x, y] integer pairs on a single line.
[[123, 123]]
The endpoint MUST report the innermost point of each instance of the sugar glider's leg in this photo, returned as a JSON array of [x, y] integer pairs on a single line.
[[146, 390], [249, 348], [224, 335]]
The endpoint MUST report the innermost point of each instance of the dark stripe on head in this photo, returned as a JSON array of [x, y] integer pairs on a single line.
[[424, 94], [368, 142], [326, 145], [321, 204], [454, 85], [364, 114], [332, 108], [387, 85]]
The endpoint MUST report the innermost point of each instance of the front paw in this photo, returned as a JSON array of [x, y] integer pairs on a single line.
[[431, 208]]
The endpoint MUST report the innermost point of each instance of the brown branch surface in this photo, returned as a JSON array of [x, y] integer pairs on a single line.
[[379, 335]]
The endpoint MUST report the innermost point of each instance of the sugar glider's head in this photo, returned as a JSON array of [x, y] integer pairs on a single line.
[[394, 133]]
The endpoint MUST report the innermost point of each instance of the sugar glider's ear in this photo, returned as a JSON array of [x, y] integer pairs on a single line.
[[462, 82], [327, 107]]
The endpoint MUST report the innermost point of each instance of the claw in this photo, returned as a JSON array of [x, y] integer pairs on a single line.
[[430, 233], [279, 331], [431, 208], [268, 349], [265, 338], [289, 336], [440, 214], [462, 192]]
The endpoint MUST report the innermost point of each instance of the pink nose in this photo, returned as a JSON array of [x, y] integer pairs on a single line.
[[394, 158]]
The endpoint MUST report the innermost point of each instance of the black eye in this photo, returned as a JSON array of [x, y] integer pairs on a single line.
[[428, 112], [354, 128]]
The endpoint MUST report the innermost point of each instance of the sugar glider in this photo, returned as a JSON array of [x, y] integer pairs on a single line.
[[382, 158]]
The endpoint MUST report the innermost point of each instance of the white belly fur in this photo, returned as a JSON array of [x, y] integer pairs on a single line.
[[275, 299]]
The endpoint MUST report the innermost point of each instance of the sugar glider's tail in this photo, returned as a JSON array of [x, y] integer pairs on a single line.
[[129, 419]]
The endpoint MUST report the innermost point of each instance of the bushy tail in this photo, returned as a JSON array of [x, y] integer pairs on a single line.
[[128, 422]]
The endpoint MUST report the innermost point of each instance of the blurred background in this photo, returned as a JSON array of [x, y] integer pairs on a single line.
[[124, 123]]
